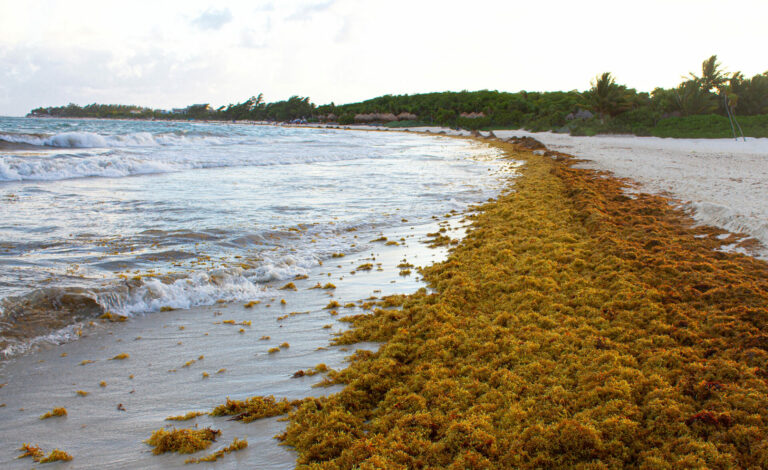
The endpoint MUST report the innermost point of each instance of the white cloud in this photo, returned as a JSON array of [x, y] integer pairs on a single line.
[[213, 19], [153, 53]]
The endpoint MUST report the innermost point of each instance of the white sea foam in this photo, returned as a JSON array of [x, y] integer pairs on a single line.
[[202, 288], [93, 140], [117, 163], [61, 336]]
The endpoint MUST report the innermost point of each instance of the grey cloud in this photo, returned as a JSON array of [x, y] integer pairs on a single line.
[[213, 19], [34, 76]]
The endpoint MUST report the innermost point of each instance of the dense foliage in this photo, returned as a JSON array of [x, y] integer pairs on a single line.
[[607, 107]]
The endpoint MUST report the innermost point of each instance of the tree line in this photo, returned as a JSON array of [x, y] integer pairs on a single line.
[[711, 103]]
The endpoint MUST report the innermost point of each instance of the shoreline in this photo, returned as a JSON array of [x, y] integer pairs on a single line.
[[168, 351], [150, 385]]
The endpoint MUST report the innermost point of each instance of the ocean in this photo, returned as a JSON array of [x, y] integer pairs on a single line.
[[131, 217]]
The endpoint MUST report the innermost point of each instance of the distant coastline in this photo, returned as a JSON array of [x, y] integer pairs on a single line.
[[713, 104]]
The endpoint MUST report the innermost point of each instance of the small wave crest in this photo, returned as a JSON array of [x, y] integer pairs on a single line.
[[50, 315], [94, 140]]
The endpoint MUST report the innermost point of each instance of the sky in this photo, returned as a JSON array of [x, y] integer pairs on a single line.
[[165, 54]]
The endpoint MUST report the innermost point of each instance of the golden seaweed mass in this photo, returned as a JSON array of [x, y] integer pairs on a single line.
[[237, 444], [56, 455], [54, 413], [186, 417], [573, 327], [254, 408], [183, 441]]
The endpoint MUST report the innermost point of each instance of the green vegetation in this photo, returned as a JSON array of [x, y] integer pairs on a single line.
[[606, 108]]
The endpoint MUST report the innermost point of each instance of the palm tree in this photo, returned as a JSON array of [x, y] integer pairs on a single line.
[[712, 76], [606, 97], [691, 98]]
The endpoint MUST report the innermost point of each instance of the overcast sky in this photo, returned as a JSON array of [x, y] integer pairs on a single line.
[[165, 54]]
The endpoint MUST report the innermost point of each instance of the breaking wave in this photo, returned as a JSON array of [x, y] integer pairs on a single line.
[[94, 140], [51, 315]]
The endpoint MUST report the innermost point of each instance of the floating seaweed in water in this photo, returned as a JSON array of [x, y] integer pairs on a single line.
[[252, 303], [237, 444], [289, 286], [82, 393], [183, 441], [120, 357]]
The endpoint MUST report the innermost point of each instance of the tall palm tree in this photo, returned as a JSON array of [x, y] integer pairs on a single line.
[[712, 75], [606, 97]]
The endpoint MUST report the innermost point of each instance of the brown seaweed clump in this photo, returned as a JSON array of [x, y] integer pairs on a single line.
[[54, 413], [30, 450], [36, 453], [237, 444], [183, 441], [56, 455], [573, 327], [254, 408], [186, 417]]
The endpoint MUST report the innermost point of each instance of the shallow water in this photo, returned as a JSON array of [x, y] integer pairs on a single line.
[[145, 215]]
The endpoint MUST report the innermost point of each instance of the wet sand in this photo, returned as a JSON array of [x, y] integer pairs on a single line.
[[153, 383]]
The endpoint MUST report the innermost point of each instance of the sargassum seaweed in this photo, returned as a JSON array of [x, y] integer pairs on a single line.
[[573, 327]]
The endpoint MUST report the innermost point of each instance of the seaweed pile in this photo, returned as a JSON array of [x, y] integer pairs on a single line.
[[575, 326]]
